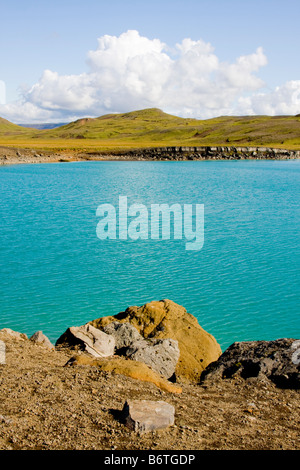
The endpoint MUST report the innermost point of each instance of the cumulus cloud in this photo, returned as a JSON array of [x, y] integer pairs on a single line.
[[132, 72], [284, 99], [69, 92]]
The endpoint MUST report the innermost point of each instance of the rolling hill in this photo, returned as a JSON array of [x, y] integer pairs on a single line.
[[154, 128]]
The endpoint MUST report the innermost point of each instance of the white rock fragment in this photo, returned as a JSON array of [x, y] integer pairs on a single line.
[[147, 415], [90, 339], [2, 352]]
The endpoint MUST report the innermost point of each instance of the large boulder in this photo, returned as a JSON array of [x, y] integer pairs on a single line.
[[277, 361], [164, 319]]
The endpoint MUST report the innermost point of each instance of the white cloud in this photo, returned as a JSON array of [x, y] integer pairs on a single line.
[[66, 93], [284, 99], [239, 75], [132, 72]]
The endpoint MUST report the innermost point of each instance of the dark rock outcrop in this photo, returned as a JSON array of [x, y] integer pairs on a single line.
[[277, 361]]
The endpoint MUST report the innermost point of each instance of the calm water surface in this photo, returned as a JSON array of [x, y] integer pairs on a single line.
[[242, 285]]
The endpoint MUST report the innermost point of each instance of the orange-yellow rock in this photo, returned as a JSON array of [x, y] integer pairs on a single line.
[[166, 319], [134, 369]]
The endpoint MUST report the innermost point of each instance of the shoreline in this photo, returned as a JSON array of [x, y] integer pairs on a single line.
[[16, 155]]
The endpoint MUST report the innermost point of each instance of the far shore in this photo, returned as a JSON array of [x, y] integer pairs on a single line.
[[14, 155]]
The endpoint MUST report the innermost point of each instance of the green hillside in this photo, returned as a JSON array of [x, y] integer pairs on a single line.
[[8, 129], [153, 127]]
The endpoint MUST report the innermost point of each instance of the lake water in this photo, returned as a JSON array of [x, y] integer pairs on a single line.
[[242, 285]]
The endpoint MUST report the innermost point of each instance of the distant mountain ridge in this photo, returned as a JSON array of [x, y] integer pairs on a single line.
[[44, 125]]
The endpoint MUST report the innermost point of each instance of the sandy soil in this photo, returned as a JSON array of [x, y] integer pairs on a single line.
[[47, 406]]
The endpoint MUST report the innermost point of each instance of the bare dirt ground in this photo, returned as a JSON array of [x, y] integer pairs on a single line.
[[47, 406]]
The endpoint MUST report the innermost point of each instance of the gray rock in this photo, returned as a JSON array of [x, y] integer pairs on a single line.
[[277, 361], [2, 353], [89, 339], [125, 334], [147, 415], [162, 355], [39, 338], [295, 348]]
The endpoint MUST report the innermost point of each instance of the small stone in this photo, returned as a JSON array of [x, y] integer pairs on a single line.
[[4, 419], [295, 348], [146, 415], [40, 338], [2, 353], [295, 344], [251, 406]]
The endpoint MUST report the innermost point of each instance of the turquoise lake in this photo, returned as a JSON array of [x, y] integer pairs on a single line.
[[242, 285]]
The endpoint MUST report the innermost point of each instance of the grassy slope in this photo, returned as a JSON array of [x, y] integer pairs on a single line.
[[152, 127]]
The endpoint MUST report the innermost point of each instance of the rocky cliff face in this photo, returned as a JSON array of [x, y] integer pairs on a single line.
[[14, 156], [210, 153]]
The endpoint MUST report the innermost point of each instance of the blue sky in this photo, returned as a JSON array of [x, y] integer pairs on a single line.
[[193, 58]]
